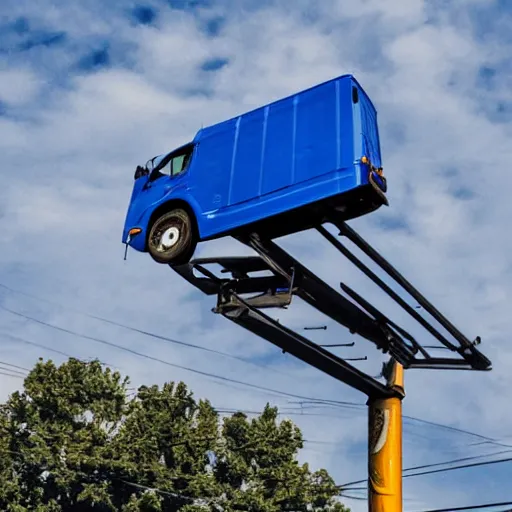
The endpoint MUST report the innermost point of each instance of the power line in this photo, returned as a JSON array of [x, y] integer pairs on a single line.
[[433, 424], [327, 403], [35, 344], [15, 366], [317, 401], [11, 370], [281, 412], [448, 427], [443, 470], [143, 332], [163, 338], [152, 358], [494, 442], [11, 375], [190, 345], [301, 413], [473, 507], [427, 422], [463, 459], [463, 466], [357, 498], [346, 486]]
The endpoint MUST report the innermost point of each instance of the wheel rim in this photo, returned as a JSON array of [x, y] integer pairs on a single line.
[[168, 237]]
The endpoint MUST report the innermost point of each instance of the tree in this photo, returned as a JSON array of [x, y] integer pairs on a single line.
[[73, 441]]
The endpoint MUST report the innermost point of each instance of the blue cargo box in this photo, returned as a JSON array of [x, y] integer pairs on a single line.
[[283, 162]]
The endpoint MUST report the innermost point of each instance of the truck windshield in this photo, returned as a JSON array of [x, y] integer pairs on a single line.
[[154, 162], [149, 165]]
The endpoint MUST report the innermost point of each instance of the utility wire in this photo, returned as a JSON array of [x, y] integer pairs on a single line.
[[448, 427], [315, 401], [473, 507], [427, 422], [164, 338], [162, 361], [485, 439], [284, 413], [11, 375], [281, 412], [190, 345], [443, 470], [463, 466], [15, 366], [325, 404], [11, 370], [454, 461], [35, 344], [142, 331], [497, 443], [346, 496]]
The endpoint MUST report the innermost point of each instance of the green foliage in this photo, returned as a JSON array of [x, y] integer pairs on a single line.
[[73, 442]]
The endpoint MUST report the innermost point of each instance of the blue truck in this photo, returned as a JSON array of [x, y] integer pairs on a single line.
[[279, 168]]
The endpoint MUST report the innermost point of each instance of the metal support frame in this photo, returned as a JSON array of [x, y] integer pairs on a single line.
[[358, 315], [318, 294], [246, 313], [287, 277], [289, 341], [463, 346]]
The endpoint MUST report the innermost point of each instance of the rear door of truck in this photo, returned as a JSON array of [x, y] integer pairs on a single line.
[[366, 132]]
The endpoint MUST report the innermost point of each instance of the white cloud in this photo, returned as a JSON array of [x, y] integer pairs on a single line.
[[18, 86]]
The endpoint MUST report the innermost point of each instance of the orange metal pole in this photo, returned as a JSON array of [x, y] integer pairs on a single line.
[[385, 447]]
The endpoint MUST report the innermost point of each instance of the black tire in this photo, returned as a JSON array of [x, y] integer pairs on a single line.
[[172, 238]]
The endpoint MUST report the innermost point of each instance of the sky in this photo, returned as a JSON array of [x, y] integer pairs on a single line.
[[89, 90]]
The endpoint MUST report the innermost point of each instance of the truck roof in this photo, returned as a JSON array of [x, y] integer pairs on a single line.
[[213, 127]]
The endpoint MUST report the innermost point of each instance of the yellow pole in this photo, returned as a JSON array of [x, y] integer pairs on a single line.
[[385, 447]]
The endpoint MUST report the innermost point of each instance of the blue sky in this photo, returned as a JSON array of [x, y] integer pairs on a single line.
[[89, 90]]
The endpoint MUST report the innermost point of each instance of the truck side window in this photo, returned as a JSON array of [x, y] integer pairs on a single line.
[[179, 163]]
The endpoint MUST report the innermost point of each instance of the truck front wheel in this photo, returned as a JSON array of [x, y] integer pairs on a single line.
[[172, 239]]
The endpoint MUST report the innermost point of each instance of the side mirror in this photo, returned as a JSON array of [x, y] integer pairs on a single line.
[[140, 171]]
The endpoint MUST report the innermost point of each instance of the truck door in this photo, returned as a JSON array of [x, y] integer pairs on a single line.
[[165, 174], [170, 175]]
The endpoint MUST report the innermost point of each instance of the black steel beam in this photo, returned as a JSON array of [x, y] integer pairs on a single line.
[[381, 317], [387, 289], [236, 265], [467, 349], [289, 341], [317, 293], [443, 363], [357, 314], [210, 284], [355, 238]]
